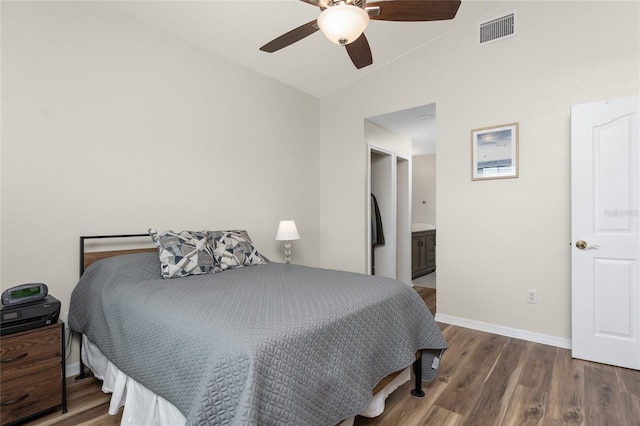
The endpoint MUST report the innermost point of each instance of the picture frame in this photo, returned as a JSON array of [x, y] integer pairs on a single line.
[[494, 152]]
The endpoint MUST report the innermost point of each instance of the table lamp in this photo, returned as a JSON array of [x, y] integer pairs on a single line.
[[287, 232]]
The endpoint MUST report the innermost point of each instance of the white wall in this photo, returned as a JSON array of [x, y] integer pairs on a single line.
[[386, 139], [423, 205], [110, 126], [496, 239]]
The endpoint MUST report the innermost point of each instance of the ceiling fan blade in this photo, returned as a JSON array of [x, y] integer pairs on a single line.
[[291, 37], [313, 3], [360, 52], [412, 10]]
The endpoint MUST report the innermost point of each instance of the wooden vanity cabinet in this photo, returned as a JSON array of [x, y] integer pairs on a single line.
[[423, 253]]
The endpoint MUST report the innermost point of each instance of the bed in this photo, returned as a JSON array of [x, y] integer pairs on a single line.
[[257, 342]]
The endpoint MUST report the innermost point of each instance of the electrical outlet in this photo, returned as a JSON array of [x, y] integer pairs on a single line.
[[532, 296], [64, 316]]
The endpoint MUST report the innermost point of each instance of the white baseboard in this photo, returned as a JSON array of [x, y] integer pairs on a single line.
[[516, 333], [73, 369]]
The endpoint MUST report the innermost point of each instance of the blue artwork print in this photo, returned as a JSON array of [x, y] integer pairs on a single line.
[[494, 153]]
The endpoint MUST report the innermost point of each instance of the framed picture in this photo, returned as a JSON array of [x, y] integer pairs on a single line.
[[494, 152]]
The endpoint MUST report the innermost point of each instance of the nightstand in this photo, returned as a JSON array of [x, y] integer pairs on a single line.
[[32, 373]]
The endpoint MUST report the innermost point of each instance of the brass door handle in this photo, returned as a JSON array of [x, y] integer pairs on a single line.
[[583, 245]]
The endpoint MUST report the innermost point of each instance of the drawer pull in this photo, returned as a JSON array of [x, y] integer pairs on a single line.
[[15, 358], [25, 396]]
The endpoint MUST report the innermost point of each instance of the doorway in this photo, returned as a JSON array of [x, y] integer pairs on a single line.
[[388, 215], [416, 126]]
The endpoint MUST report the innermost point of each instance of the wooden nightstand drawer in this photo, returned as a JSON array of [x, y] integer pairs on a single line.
[[27, 370], [28, 347], [24, 396], [31, 373]]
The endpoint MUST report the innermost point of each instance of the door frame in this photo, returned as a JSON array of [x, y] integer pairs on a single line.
[[397, 229], [374, 149]]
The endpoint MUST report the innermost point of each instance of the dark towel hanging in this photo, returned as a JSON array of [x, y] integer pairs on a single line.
[[377, 233]]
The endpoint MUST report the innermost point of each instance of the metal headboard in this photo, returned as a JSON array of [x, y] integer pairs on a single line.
[[95, 237], [82, 374]]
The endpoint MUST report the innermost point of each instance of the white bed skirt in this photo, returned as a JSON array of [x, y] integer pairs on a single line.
[[141, 406], [144, 408]]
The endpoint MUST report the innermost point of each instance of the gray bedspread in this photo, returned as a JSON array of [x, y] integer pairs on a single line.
[[267, 344]]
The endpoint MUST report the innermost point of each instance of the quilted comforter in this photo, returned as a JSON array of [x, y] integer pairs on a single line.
[[265, 344]]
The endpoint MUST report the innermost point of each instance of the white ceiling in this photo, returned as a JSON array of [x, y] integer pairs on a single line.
[[418, 123], [236, 30]]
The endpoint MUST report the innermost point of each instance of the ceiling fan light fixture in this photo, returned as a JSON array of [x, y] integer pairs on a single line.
[[343, 23]]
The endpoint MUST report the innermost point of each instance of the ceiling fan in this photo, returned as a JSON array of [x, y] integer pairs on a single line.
[[344, 21]]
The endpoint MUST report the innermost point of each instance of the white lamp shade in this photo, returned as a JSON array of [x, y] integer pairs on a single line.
[[343, 23], [287, 231]]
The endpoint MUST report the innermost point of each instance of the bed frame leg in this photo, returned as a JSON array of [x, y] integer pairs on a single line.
[[83, 375], [417, 372]]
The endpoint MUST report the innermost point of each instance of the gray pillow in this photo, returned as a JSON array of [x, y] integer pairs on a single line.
[[184, 253], [233, 249]]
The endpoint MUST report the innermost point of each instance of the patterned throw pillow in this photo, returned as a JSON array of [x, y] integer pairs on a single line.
[[184, 253], [233, 249]]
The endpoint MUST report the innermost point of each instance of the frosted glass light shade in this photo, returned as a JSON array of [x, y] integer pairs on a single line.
[[343, 23], [287, 231]]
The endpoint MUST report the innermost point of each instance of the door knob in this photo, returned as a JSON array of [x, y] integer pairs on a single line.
[[583, 245]]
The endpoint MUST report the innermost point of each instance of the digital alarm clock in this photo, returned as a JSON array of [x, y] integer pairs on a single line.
[[24, 293]]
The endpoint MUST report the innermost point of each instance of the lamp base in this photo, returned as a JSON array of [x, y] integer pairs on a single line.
[[287, 252]]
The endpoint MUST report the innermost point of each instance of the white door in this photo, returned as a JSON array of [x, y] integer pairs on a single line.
[[605, 210]]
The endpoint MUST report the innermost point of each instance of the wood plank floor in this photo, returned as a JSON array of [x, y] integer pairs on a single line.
[[484, 380]]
